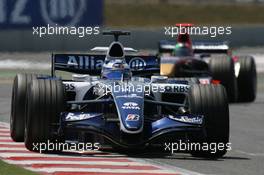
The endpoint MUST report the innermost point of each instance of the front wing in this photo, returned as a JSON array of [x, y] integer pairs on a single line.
[[166, 128]]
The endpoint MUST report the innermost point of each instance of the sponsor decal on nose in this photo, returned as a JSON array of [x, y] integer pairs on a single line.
[[130, 105], [132, 117]]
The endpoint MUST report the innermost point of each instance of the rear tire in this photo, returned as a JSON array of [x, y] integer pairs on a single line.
[[18, 105], [222, 68], [247, 79], [45, 103], [211, 102]]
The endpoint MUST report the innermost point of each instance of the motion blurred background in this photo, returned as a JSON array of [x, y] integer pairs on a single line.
[[145, 18], [20, 50]]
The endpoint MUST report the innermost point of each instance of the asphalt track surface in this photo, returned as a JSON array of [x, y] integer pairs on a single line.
[[247, 139]]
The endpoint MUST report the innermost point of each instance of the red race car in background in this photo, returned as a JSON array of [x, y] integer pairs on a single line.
[[210, 62]]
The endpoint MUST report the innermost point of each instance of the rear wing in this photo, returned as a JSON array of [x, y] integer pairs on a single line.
[[92, 63], [105, 49], [166, 46], [198, 47], [211, 47]]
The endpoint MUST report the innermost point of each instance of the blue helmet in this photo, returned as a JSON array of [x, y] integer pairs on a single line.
[[115, 66]]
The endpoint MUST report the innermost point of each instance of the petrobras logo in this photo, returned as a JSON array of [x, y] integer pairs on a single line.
[[137, 63], [131, 105], [132, 117], [84, 62]]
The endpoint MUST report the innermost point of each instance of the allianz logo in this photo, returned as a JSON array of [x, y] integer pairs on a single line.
[[84, 62], [130, 105], [66, 12], [93, 63], [137, 63]]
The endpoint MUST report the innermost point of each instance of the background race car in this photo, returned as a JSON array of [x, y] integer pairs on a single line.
[[210, 59]]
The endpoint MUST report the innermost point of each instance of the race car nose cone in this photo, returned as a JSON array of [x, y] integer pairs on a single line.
[[130, 106]]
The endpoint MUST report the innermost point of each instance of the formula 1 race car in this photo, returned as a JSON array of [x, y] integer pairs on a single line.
[[127, 111], [184, 58]]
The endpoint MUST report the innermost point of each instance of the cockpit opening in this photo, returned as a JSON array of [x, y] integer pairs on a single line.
[[116, 50]]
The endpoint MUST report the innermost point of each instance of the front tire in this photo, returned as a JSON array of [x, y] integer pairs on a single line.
[[45, 103], [211, 102], [18, 105]]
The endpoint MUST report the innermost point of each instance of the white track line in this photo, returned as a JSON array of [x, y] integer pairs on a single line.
[[29, 154], [136, 162], [12, 143], [100, 170], [32, 154], [3, 124], [31, 162], [160, 165], [13, 149], [250, 154]]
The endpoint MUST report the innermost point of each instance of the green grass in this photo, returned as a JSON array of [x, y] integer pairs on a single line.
[[7, 169], [140, 15]]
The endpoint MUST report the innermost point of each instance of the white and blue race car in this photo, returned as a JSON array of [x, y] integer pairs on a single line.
[[119, 106]]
